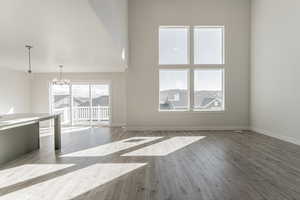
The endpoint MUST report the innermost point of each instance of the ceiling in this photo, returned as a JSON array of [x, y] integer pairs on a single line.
[[74, 33]]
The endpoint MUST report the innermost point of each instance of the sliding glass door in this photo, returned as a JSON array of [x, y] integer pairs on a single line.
[[100, 103], [82, 104], [61, 102]]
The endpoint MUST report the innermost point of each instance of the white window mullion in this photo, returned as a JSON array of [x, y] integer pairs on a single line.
[[91, 99], [51, 100], [191, 73], [71, 105], [191, 45], [191, 90]]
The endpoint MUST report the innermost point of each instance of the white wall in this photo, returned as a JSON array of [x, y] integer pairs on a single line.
[[114, 15], [145, 16], [275, 73], [14, 91], [40, 91], [66, 32]]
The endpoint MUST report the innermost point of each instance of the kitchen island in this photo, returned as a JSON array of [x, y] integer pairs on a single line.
[[19, 134]]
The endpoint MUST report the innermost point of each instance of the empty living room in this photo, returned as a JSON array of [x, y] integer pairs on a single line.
[[149, 100]]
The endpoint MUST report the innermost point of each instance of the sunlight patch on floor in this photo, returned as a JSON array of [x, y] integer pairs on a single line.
[[44, 132], [113, 147], [165, 147], [23, 173], [75, 183]]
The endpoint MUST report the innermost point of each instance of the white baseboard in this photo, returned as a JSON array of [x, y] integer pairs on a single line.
[[276, 135], [186, 128], [117, 125]]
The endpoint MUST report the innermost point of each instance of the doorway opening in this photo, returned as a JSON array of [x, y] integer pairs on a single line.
[[82, 104]]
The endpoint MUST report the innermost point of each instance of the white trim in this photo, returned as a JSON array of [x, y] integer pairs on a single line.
[[117, 125], [276, 135], [186, 128], [191, 93], [196, 112], [91, 102], [71, 105]]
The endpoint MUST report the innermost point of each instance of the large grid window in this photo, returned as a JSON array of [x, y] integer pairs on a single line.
[[173, 90], [197, 56], [61, 101]]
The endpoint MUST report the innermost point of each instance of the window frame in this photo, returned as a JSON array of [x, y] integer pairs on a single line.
[[70, 86], [191, 67]]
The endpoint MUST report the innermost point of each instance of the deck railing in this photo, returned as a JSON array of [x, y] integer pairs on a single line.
[[95, 113]]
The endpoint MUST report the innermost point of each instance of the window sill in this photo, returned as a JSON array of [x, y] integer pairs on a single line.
[[192, 111]]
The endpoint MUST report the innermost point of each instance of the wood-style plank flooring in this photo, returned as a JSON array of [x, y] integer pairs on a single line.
[[112, 164]]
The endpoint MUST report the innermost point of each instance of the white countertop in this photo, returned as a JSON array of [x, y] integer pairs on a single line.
[[23, 118]]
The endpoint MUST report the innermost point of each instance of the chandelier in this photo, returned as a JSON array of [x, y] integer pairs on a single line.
[[60, 80]]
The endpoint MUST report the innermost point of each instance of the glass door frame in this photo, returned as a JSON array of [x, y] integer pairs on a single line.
[[89, 83]]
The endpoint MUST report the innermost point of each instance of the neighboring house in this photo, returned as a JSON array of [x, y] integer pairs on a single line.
[[62, 101], [210, 103], [170, 99], [208, 99], [99, 101]]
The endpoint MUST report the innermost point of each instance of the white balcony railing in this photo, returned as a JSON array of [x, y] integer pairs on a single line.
[[95, 113]]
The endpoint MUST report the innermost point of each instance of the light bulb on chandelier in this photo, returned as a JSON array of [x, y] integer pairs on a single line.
[[60, 80]]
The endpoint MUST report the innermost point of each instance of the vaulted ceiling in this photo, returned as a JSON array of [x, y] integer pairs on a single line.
[[83, 35]]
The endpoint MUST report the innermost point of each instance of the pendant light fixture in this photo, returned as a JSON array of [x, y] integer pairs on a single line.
[[29, 47], [60, 80]]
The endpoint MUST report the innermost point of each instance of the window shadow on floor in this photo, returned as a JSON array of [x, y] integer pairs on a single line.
[[113, 163]]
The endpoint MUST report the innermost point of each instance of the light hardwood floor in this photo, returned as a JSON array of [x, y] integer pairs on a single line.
[[112, 164]]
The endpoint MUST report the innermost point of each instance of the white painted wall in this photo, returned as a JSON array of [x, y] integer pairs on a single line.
[[275, 70], [66, 32], [14, 92], [114, 15], [145, 16], [40, 91]]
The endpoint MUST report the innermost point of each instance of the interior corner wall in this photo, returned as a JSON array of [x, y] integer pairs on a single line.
[[14, 91], [114, 15], [40, 91], [275, 68], [145, 17]]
